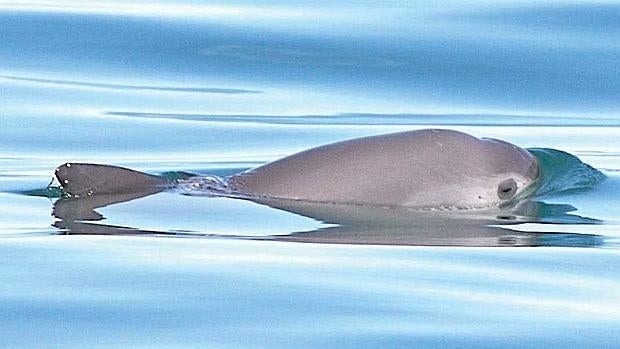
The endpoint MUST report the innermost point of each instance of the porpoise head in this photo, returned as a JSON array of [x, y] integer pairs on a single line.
[[513, 172], [458, 171]]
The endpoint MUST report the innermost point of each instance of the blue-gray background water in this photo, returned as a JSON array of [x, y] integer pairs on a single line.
[[218, 87]]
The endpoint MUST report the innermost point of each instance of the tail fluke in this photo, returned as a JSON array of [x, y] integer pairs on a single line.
[[79, 180]]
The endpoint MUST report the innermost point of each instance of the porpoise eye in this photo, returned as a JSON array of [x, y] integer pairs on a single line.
[[507, 189]]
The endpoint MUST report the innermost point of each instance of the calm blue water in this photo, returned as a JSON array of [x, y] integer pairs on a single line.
[[218, 87]]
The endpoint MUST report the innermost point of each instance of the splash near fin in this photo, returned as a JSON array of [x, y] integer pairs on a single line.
[[79, 180]]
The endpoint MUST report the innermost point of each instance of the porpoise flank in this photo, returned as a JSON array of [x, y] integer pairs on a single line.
[[421, 169]]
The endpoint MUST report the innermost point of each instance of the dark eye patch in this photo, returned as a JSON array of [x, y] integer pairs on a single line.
[[507, 189]]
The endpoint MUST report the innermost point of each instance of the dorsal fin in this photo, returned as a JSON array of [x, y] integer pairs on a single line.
[[78, 179]]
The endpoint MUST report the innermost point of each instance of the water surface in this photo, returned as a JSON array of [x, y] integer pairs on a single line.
[[216, 88]]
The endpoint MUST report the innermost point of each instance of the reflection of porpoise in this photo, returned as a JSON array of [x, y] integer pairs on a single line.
[[423, 169]]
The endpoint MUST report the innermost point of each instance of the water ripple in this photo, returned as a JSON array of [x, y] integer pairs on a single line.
[[383, 119], [122, 87]]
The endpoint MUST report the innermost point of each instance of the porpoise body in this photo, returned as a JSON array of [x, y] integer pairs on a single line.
[[431, 168], [423, 168]]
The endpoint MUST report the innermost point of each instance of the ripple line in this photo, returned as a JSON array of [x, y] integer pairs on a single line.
[[107, 86]]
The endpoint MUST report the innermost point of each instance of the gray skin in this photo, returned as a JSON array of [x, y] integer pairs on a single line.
[[420, 169], [423, 169], [80, 180]]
